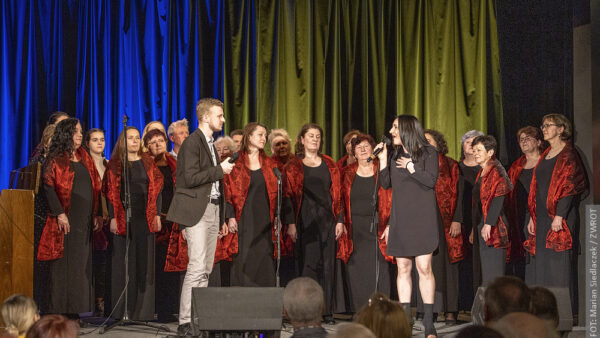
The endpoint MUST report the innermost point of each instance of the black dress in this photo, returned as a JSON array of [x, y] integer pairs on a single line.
[[254, 265], [468, 277], [414, 221], [361, 267], [71, 288], [316, 246], [141, 287], [548, 267], [168, 288], [40, 268], [522, 197], [493, 260]]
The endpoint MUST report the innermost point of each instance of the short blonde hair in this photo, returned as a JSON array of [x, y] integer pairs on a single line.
[[278, 133], [203, 106], [227, 141], [18, 314], [179, 123]]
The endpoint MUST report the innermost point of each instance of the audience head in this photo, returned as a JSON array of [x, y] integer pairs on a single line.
[[131, 135], [352, 330], [384, 317], [544, 306], [530, 139], [478, 331], [178, 132], [225, 147], [156, 142], [466, 143], [255, 136], [523, 325], [47, 134], [556, 126], [56, 117], [67, 137], [54, 326], [506, 294], [484, 148], [209, 112], [437, 140], [310, 138], [362, 146], [281, 143], [303, 302], [352, 134], [237, 135], [19, 312], [94, 141]]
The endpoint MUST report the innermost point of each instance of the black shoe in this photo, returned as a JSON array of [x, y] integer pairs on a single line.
[[184, 329], [419, 316], [328, 320]]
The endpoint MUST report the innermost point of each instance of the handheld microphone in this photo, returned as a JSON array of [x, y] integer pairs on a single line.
[[277, 173], [234, 157], [385, 141]]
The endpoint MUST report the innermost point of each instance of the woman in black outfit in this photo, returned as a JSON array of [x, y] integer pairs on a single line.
[[72, 188], [312, 204], [145, 182], [414, 222]]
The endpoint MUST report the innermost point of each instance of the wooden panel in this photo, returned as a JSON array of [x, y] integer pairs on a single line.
[[16, 242]]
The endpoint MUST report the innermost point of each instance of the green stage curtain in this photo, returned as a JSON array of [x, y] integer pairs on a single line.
[[357, 64]]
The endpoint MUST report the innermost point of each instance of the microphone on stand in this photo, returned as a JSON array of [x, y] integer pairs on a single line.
[[385, 141], [276, 172], [234, 157]]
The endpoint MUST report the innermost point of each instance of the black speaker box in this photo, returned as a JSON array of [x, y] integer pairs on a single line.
[[563, 300], [241, 309]]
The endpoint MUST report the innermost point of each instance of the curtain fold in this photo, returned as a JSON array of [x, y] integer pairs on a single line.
[[342, 64]]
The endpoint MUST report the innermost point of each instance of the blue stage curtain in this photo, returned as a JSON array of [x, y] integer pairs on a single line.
[[100, 60]]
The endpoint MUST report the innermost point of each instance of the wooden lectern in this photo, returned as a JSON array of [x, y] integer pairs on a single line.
[[16, 232]]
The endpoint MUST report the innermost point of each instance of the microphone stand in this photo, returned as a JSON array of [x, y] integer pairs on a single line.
[[127, 206], [278, 228], [373, 228]]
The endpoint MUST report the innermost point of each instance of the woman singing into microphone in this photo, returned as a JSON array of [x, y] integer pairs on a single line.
[[414, 222], [251, 193]]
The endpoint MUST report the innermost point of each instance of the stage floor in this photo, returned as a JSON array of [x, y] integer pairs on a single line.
[[138, 331]]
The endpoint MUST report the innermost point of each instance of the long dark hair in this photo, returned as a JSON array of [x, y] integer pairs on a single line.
[[248, 130], [412, 136], [62, 140], [299, 147], [442, 145]]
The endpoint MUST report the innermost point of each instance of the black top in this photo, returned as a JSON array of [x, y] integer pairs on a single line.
[[138, 187], [167, 190], [361, 195], [525, 179], [467, 180], [543, 176], [414, 220]]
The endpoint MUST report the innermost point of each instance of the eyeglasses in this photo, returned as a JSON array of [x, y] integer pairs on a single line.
[[548, 125], [525, 139]]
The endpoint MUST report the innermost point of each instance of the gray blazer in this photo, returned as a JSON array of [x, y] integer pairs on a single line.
[[194, 177]]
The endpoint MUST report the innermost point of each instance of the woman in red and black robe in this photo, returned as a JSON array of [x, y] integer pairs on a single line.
[[145, 182], [558, 180], [490, 225], [312, 204], [72, 187], [251, 193], [452, 250], [167, 283], [520, 174], [357, 247]]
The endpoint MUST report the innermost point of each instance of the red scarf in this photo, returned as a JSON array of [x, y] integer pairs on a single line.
[[446, 193], [293, 187], [345, 243], [59, 174], [568, 179], [495, 183], [341, 163], [112, 191], [236, 191], [280, 162], [511, 208]]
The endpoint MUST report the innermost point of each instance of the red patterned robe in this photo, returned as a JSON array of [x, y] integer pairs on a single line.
[[59, 175], [345, 243], [446, 194], [495, 183], [568, 179]]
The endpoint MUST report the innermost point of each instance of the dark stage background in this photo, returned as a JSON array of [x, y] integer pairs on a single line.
[[457, 65]]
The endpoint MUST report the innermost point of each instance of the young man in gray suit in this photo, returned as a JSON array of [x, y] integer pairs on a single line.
[[198, 202]]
